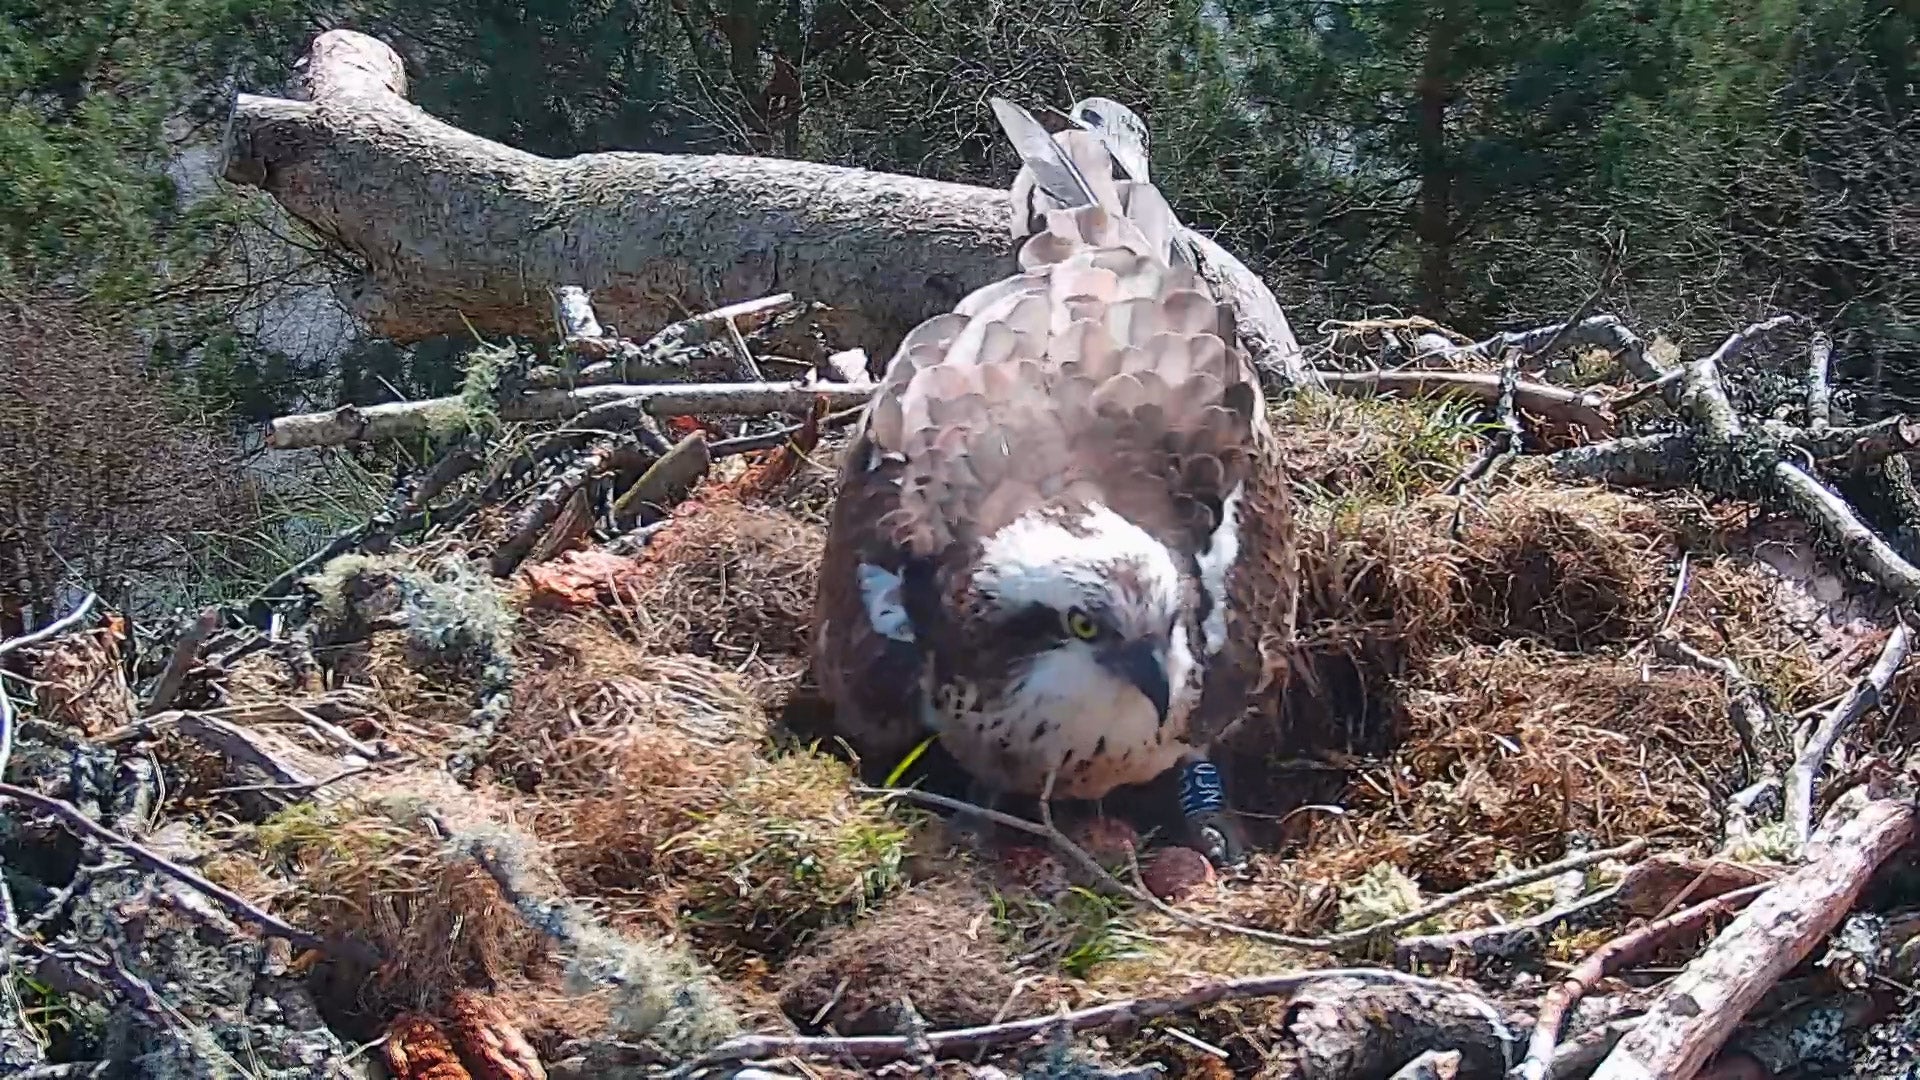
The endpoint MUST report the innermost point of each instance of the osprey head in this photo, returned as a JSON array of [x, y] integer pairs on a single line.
[[1090, 611]]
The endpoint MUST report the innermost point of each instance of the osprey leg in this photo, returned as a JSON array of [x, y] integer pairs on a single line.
[[1203, 805]]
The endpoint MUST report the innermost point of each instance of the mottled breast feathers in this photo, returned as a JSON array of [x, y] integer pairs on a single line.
[[1102, 377]]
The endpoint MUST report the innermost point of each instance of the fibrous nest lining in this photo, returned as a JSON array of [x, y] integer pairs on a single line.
[[1505, 754], [370, 870], [732, 581], [661, 792], [935, 946]]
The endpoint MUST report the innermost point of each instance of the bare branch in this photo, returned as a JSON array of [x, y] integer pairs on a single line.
[[53, 629], [1553, 402], [1866, 693], [236, 905], [1831, 515], [412, 419], [457, 230], [1819, 384], [1619, 953], [1701, 1007], [874, 1049], [668, 354]]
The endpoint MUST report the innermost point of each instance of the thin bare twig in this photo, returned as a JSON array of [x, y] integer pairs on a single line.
[[1627, 949], [53, 629], [236, 905], [1485, 889], [1568, 406], [874, 1049], [1333, 943], [1866, 693], [1747, 707]]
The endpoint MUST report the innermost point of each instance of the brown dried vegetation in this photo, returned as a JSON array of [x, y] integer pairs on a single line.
[[936, 946], [1474, 689], [103, 481]]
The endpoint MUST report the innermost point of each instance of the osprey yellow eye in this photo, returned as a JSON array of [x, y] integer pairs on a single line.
[[1080, 626]]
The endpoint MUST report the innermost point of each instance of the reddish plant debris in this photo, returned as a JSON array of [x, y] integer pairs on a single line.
[[418, 1050], [580, 579], [491, 1041]]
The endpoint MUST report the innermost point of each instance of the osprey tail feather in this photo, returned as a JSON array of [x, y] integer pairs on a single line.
[[1067, 192]]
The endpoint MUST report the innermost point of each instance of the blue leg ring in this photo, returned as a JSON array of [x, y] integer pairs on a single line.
[[1201, 791]]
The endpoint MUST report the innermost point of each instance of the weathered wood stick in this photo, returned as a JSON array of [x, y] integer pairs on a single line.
[[1702, 1006], [1865, 694], [233, 903], [1819, 384], [412, 419], [669, 354], [186, 652], [1568, 406], [874, 1049], [1609, 958]]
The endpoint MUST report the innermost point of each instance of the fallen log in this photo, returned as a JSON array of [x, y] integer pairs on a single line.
[[457, 231], [1701, 1007]]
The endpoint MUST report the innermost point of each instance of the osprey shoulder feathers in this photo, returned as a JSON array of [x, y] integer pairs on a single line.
[[1062, 539]]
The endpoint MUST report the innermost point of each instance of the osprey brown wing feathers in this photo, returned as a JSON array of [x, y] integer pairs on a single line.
[[1102, 372]]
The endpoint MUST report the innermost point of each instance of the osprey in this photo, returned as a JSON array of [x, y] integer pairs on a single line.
[[1061, 540]]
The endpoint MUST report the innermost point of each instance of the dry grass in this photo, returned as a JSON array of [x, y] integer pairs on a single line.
[[372, 871], [935, 946], [1505, 754], [732, 582], [1571, 569], [662, 797]]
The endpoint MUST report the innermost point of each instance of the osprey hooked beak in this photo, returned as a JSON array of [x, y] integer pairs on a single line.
[[1140, 663]]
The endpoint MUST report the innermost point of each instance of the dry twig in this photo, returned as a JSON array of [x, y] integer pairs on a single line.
[[236, 905], [874, 1049], [186, 652], [1868, 692], [53, 629], [1701, 1007], [413, 419], [1620, 952], [1341, 942], [1568, 406]]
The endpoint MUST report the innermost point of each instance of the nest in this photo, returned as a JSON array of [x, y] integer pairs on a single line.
[[1471, 692]]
